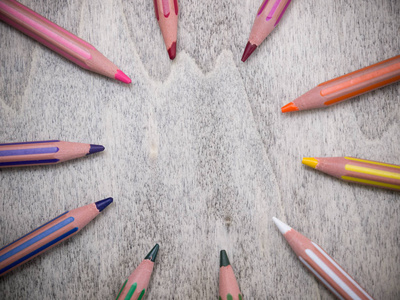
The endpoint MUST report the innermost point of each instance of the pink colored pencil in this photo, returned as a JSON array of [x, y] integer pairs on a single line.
[[48, 235], [348, 86], [167, 17], [135, 286], [43, 152], [318, 262], [357, 170], [268, 16], [58, 39], [228, 286]]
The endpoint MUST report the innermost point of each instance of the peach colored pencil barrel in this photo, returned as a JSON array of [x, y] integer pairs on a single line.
[[48, 235], [268, 16], [58, 39], [324, 267], [135, 286], [348, 86], [167, 16], [43, 152], [228, 286], [357, 170]]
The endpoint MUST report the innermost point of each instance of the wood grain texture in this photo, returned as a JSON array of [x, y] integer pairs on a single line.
[[198, 156]]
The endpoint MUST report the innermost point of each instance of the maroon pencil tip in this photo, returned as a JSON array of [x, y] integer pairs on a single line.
[[248, 51], [172, 51], [122, 77]]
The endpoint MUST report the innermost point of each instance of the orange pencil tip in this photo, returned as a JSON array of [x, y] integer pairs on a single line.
[[289, 107], [248, 51], [172, 51], [122, 77]]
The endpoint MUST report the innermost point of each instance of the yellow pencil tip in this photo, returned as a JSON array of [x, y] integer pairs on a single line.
[[310, 161]]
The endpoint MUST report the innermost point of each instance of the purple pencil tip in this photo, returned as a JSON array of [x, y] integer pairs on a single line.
[[102, 204], [95, 149]]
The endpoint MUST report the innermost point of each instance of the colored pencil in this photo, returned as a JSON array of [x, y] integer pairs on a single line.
[[348, 86], [228, 286], [58, 39], [48, 235], [135, 286], [268, 16], [43, 152], [357, 170], [324, 267], [167, 17]]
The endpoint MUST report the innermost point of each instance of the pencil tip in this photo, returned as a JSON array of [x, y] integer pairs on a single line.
[[172, 51], [153, 253], [95, 148], [310, 161], [223, 259], [102, 204], [248, 51], [283, 228], [122, 77], [289, 107]]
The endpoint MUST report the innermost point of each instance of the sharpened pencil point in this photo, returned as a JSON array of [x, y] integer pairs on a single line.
[[289, 107], [95, 149], [248, 51], [153, 253], [172, 51], [122, 77], [283, 228], [223, 259], [102, 204], [310, 161]]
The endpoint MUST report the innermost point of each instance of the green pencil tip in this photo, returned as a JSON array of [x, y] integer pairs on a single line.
[[223, 259], [153, 253]]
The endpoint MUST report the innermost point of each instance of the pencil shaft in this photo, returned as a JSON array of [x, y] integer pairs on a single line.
[[325, 268], [135, 286], [58, 39], [43, 152], [166, 12], [361, 171], [351, 85], [48, 235], [268, 17]]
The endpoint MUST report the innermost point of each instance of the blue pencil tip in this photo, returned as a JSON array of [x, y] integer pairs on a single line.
[[95, 149], [102, 204]]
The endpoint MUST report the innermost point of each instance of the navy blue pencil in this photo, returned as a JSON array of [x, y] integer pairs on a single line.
[[43, 152], [48, 235]]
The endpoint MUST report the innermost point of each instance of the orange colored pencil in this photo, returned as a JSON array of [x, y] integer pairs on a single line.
[[318, 262], [228, 286], [58, 39], [167, 17], [135, 286], [348, 86], [268, 16], [43, 153]]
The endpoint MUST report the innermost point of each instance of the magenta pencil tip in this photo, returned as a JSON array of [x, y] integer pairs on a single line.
[[172, 51], [248, 51], [102, 204], [122, 77]]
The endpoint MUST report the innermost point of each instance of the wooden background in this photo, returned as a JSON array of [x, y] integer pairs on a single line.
[[198, 156]]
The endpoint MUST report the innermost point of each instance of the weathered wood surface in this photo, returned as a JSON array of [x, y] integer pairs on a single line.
[[198, 156]]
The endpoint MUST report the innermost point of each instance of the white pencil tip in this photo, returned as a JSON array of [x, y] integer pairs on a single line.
[[283, 228]]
